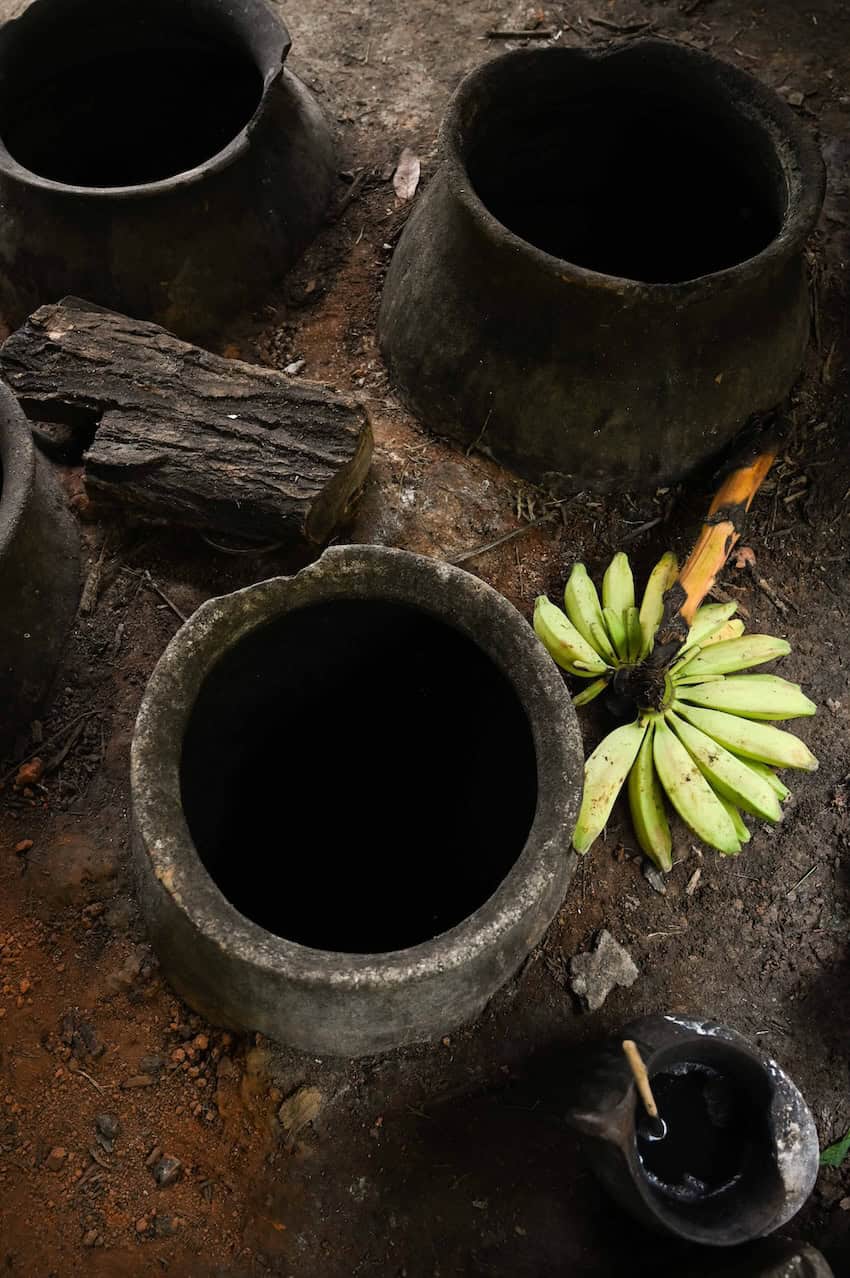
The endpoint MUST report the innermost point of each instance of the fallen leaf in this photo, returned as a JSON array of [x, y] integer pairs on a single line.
[[834, 1155], [406, 176]]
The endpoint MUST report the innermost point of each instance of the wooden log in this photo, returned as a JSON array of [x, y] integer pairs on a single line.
[[179, 435]]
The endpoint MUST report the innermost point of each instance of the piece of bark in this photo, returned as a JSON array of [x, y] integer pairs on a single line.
[[179, 435]]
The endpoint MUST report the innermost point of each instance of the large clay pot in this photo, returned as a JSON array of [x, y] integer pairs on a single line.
[[156, 158], [605, 278], [353, 795], [39, 573]]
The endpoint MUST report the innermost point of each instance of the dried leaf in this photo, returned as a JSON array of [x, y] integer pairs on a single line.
[[406, 176], [834, 1155]]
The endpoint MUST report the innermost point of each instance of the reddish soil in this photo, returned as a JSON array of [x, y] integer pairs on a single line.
[[448, 1159]]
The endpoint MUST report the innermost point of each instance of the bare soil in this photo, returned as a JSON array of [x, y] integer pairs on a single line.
[[447, 1159]]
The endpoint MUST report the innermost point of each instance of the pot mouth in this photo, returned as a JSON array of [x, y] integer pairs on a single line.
[[106, 99], [17, 466], [647, 168], [412, 862]]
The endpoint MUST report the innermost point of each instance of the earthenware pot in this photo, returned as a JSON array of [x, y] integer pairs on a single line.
[[353, 794], [605, 278], [156, 158], [39, 573], [741, 1154]]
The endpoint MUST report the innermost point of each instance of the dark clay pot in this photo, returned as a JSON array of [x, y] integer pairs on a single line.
[[752, 1166], [605, 278], [39, 573], [156, 158], [353, 794]]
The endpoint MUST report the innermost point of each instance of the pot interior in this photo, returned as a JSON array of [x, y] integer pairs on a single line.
[[94, 94], [640, 165], [358, 776], [716, 1168]]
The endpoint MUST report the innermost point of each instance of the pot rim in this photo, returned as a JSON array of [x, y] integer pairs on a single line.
[[269, 27], [805, 177], [347, 572], [17, 466]]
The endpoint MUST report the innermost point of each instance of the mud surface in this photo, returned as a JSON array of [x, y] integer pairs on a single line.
[[449, 1159]]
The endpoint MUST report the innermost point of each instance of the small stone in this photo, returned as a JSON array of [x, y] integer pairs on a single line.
[[201, 1042], [154, 1156], [29, 773], [90, 1238], [845, 1204], [151, 1064], [25, 985], [654, 878], [295, 367], [56, 1159], [796, 98], [23, 846], [138, 1080], [107, 1127], [178, 1056], [141, 1225], [595, 974], [167, 1171], [303, 1107]]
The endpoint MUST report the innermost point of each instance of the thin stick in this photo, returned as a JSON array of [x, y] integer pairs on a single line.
[[640, 1076]]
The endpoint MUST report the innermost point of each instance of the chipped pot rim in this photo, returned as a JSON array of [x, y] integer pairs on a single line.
[[469, 606], [794, 146]]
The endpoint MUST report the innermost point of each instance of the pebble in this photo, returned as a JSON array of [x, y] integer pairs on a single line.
[[151, 1064], [29, 773], [90, 1238], [56, 1159], [167, 1171], [138, 1080], [24, 846], [595, 974], [654, 878], [154, 1156], [107, 1127]]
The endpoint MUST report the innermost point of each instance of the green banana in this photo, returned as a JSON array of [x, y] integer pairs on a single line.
[[728, 774], [591, 692], [585, 612], [634, 634], [652, 605], [690, 793], [736, 654], [618, 585], [563, 642], [750, 739], [646, 801], [771, 778], [752, 697], [604, 774], [729, 630], [617, 630], [737, 820], [708, 618]]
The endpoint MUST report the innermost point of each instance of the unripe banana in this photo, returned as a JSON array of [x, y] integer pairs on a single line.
[[563, 642], [737, 820], [591, 692], [634, 634], [708, 618], [730, 630], [728, 774], [604, 774], [752, 696], [585, 612], [750, 739], [778, 787], [690, 793], [646, 802], [652, 605], [618, 585], [617, 630], [736, 654]]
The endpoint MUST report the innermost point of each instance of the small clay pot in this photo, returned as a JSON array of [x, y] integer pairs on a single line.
[[156, 158], [605, 278], [39, 573], [740, 1157], [353, 794]]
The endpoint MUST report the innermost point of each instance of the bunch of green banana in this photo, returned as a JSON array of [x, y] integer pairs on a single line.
[[708, 744]]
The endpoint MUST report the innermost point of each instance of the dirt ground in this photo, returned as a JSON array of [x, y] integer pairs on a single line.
[[447, 1159]]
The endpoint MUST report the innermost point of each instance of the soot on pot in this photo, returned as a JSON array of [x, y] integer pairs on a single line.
[[358, 776]]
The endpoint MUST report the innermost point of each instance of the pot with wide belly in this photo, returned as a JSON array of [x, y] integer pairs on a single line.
[[39, 573], [353, 794], [156, 158], [605, 278]]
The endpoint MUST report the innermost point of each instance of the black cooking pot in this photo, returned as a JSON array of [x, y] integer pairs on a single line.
[[605, 279], [156, 158]]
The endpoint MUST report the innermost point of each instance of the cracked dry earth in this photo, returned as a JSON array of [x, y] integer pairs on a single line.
[[136, 1140]]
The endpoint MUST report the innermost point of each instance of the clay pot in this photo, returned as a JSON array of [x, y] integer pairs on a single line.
[[605, 278], [741, 1155], [39, 573], [353, 794], [156, 158]]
